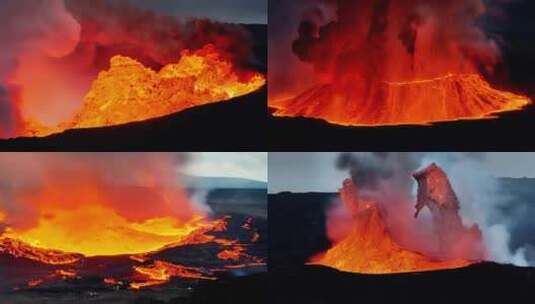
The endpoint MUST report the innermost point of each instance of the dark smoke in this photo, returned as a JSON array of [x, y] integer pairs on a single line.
[[365, 170], [361, 34], [117, 27], [284, 22]]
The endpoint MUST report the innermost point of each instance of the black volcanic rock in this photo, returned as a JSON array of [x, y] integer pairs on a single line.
[[480, 283], [223, 126], [502, 134]]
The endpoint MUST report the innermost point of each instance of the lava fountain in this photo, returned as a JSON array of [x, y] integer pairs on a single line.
[[393, 62], [370, 246], [107, 63]]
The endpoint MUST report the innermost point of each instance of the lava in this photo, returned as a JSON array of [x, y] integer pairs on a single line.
[[397, 63], [370, 247], [161, 272], [75, 64], [20, 249], [74, 210], [130, 92], [446, 98], [122, 217], [233, 254]]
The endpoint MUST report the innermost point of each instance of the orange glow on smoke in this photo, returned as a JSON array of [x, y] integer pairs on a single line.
[[370, 248], [87, 216], [394, 63], [129, 92]]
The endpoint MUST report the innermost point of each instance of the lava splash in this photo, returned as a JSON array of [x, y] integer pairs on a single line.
[[370, 247]]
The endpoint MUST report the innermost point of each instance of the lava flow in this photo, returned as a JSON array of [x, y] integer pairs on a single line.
[[395, 62], [130, 92], [161, 272], [84, 215], [370, 247], [79, 64]]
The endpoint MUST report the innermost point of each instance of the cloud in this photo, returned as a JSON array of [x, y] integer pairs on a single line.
[[250, 165]]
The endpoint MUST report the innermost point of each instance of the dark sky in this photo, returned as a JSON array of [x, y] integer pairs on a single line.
[[235, 11]]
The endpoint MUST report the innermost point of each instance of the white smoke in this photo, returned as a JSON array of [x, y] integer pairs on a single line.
[[481, 199]]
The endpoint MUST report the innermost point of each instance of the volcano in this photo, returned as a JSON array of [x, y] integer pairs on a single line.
[[445, 98], [384, 70], [302, 231], [112, 227], [369, 247], [106, 64], [396, 63]]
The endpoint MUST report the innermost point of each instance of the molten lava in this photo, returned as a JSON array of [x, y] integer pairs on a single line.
[[393, 62], [20, 249], [74, 211], [130, 92], [369, 246], [51, 243], [161, 272], [445, 98]]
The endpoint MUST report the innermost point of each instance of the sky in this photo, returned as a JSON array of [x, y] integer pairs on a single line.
[[234, 11], [249, 165], [316, 171]]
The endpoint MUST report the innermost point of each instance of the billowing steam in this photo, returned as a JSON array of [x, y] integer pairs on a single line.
[[387, 178], [53, 49], [136, 186]]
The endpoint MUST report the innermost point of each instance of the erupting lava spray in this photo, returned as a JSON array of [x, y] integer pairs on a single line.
[[93, 205], [372, 231], [392, 62], [78, 64]]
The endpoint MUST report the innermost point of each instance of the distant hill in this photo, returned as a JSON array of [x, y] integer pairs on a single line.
[[201, 182]]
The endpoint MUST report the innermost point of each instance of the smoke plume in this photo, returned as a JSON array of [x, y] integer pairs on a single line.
[[396, 39], [137, 186], [53, 50], [387, 178]]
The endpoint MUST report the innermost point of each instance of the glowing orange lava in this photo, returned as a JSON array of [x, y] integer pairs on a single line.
[[161, 272], [370, 248], [375, 63], [447, 98], [84, 215], [130, 92]]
